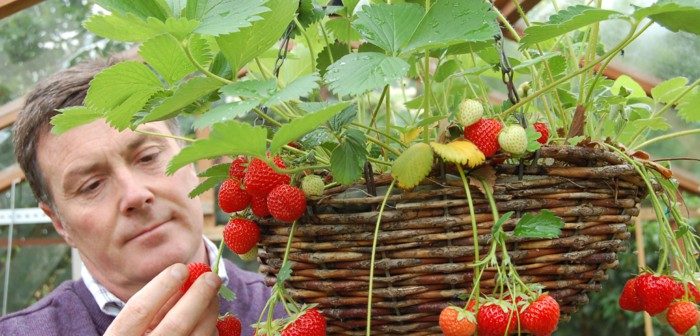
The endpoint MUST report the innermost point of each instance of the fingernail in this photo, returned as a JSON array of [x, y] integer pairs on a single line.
[[178, 271], [212, 279]]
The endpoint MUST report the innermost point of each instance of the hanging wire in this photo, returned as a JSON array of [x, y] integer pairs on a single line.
[[8, 258], [281, 57]]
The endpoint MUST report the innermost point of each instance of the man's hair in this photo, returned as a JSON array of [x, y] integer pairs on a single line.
[[63, 89]]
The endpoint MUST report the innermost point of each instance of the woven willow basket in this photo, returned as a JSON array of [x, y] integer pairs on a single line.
[[425, 243]]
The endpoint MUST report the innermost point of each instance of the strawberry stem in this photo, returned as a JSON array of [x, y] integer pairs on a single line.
[[372, 258], [475, 236]]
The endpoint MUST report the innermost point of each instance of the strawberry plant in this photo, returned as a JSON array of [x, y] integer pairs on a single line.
[[316, 103]]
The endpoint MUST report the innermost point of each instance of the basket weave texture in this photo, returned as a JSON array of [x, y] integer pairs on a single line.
[[425, 244]]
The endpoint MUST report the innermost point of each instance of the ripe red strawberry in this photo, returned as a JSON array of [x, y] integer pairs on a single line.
[[543, 130], [452, 325], [241, 235], [195, 271], [655, 292], [258, 204], [228, 325], [310, 323], [484, 134], [286, 203], [693, 292], [492, 320], [260, 178], [682, 315], [232, 197], [629, 299], [541, 317], [237, 169]]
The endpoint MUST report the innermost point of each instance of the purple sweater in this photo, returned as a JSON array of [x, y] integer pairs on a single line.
[[71, 310]]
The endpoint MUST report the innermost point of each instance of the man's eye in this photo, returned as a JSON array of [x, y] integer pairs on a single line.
[[149, 157], [92, 186]]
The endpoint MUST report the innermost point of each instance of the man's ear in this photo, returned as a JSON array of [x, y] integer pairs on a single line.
[[57, 223]]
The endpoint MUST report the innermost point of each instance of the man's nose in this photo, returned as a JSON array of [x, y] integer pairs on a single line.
[[135, 193]]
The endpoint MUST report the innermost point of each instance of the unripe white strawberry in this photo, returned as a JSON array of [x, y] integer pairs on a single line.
[[470, 111], [250, 255], [513, 139], [312, 185]]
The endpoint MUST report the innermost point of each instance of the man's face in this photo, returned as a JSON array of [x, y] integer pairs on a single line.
[[115, 204]]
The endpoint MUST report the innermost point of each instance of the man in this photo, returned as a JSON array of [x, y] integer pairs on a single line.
[[107, 194]]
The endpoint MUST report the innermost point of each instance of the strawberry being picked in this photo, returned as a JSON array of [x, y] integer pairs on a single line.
[[195, 271], [228, 325]]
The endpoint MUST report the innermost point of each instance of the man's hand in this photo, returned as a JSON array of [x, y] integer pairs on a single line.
[[159, 308]]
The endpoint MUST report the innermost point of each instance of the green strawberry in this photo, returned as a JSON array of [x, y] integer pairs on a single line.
[[312, 185], [470, 111], [513, 139]]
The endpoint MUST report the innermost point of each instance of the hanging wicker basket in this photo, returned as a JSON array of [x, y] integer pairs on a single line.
[[425, 244]]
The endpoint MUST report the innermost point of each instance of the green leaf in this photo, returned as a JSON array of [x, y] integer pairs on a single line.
[[388, 26], [358, 73], [450, 22], [532, 136], [122, 90], [186, 94], [348, 159], [496, 229], [413, 165], [300, 126], [317, 137], [667, 91], [243, 46], [337, 50], [218, 170], [689, 107], [206, 185], [565, 21], [220, 17], [158, 9], [121, 27], [300, 87], [544, 224], [343, 118], [165, 54], [72, 117], [342, 30], [180, 28], [630, 84], [176, 6], [225, 112], [674, 15], [284, 274], [227, 293], [257, 89], [446, 69], [230, 138], [534, 61]]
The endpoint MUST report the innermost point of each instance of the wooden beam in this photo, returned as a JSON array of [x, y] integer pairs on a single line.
[[23, 242], [9, 111], [10, 174], [686, 181], [9, 7]]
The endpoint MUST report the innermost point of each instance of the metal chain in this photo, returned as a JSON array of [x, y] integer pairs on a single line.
[[281, 57]]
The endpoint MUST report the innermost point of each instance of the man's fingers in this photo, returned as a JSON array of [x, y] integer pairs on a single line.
[[165, 309], [138, 313], [207, 322], [187, 312]]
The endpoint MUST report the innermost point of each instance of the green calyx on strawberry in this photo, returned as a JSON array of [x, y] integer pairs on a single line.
[[260, 178], [484, 134], [286, 203], [541, 317], [251, 255], [312, 185], [470, 111], [228, 325], [513, 139], [241, 235], [195, 271], [309, 322], [543, 130], [232, 198]]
